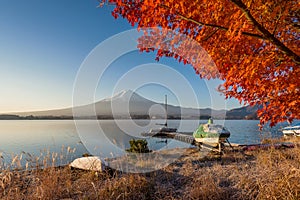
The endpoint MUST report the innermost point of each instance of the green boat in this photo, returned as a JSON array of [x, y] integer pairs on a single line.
[[210, 133]]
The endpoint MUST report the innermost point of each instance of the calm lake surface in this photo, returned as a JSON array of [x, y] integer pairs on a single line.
[[107, 138]]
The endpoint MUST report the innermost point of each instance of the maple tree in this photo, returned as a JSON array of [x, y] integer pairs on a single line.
[[254, 45]]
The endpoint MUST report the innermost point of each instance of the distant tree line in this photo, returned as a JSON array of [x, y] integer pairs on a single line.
[[135, 116], [31, 117]]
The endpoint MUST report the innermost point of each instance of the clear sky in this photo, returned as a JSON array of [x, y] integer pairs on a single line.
[[43, 44]]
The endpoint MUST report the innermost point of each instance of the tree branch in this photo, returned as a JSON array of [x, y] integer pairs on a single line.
[[267, 35], [210, 35], [213, 25], [218, 27]]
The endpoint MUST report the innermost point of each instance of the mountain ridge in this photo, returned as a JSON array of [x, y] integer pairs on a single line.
[[129, 104]]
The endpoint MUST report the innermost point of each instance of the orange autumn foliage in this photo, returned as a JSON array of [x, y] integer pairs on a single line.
[[253, 43]]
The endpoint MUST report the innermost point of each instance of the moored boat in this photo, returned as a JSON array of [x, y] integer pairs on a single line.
[[292, 130], [211, 133], [165, 128]]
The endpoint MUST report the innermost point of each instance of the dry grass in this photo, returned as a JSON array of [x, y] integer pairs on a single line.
[[64, 183], [262, 174], [274, 175]]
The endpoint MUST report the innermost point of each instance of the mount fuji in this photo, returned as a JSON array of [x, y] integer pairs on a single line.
[[127, 104]]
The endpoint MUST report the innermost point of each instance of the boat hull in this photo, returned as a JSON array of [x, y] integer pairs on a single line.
[[291, 130], [214, 140]]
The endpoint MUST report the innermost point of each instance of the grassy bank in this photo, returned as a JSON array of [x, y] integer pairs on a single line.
[[260, 174]]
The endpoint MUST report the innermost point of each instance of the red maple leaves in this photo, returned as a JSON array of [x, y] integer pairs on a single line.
[[252, 45]]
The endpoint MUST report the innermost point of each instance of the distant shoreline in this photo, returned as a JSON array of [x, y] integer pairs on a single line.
[[107, 117]]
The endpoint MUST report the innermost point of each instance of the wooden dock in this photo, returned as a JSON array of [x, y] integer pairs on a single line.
[[180, 136], [187, 137]]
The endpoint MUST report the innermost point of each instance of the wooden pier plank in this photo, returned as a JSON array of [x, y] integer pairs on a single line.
[[180, 136]]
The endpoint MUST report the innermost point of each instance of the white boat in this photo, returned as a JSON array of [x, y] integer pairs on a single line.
[[211, 133], [165, 128], [292, 130]]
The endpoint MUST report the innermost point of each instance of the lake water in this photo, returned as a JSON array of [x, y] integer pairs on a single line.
[[39, 137]]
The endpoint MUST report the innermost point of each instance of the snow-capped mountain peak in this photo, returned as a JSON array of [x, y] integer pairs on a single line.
[[126, 95]]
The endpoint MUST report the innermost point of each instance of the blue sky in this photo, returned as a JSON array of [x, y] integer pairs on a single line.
[[43, 44]]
